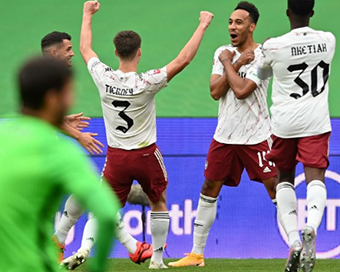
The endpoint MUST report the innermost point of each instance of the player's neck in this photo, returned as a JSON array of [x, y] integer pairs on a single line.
[[45, 116], [249, 44], [294, 25], [128, 66]]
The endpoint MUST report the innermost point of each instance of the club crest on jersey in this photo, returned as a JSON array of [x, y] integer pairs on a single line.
[[156, 72]]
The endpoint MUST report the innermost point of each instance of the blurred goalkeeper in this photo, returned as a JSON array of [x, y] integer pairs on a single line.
[[37, 168]]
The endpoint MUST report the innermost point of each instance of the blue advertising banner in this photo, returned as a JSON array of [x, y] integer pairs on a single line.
[[246, 225]]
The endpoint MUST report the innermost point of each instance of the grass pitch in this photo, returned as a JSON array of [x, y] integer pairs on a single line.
[[219, 265]]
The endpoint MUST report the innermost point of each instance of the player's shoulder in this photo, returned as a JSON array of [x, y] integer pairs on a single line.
[[95, 62], [223, 47], [327, 35]]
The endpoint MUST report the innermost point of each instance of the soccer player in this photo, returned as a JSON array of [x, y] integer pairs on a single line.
[[243, 133], [58, 45], [300, 62], [37, 168], [130, 119]]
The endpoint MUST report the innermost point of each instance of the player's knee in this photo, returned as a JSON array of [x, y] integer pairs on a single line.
[[211, 188]]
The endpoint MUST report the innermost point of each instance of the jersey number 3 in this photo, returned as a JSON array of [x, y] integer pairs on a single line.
[[122, 114], [314, 78]]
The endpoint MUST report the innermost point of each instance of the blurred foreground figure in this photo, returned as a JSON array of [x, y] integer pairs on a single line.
[[37, 168]]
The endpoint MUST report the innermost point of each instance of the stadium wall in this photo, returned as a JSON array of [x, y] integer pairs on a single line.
[[246, 224]]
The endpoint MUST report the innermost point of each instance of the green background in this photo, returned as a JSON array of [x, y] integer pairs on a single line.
[[165, 27]]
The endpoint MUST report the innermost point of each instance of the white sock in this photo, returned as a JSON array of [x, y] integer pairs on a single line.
[[159, 225], [71, 214], [89, 233], [316, 202], [278, 213], [205, 217], [287, 205], [124, 237]]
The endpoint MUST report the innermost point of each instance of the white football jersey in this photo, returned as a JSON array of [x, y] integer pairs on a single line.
[[300, 62], [243, 121], [128, 104]]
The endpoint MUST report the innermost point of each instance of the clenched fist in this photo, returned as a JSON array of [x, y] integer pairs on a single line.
[[91, 7], [205, 18]]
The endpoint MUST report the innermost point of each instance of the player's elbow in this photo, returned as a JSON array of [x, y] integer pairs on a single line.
[[214, 95], [183, 61], [241, 95]]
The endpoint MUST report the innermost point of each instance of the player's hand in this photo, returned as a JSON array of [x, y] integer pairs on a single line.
[[246, 57], [77, 121], [91, 7], [226, 55], [205, 18], [89, 143]]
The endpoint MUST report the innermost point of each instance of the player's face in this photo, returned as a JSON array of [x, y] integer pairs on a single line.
[[239, 27], [65, 52]]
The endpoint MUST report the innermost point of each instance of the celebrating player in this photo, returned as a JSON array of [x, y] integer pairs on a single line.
[[243, 134], [58, 45], [300, 62], [37, 168], [130, 119]]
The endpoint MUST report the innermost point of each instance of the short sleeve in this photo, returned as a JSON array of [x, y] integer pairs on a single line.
[[264, 69], [155, 80], [97, 69], [218, 68]]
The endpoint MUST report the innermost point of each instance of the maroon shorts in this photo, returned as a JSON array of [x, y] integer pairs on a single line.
[[226, 162], [311, 151], [144, 165]]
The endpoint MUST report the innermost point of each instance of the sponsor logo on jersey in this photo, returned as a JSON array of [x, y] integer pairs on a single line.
[[266, 170], [328, 239]]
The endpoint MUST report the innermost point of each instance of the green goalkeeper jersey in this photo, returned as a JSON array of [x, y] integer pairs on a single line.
[[36, 169]]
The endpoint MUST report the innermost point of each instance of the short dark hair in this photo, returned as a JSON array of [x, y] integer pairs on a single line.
[[127, 43], [38, 76], [53, 38], [301, 7], [253, 11]]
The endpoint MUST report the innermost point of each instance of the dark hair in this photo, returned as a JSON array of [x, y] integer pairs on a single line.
[[40, 75], [301, 7], [127, 43], [253, 11], [53, 38]]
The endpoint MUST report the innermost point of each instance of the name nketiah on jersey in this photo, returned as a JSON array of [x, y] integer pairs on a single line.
[[128, 103], [301, 63], [243, 121]]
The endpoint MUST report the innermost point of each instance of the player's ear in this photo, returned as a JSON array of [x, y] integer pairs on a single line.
[[116, 53], [312, 13], [53, 52], [139, 52], [287, 12], [252, 27]]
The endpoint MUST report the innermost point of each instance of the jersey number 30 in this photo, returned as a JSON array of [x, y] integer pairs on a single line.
[[314, 78], [122, 114]]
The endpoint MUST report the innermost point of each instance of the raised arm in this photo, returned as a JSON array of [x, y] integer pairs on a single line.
[[90, 8], [242, 87], [190, 49], [219, 84]]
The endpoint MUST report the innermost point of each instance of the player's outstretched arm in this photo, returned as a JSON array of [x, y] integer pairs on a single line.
[[190, 49], [242, 87], [85, 139], [219, 85], [77, 121], [90, 8]]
